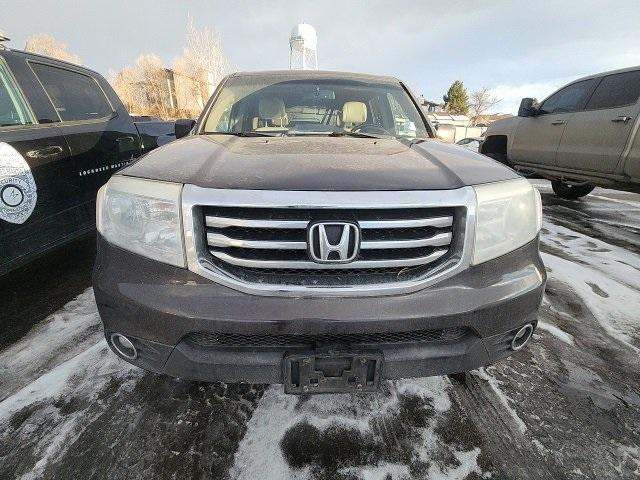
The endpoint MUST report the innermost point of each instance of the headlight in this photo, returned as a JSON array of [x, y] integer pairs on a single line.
[[509, 215], [142, 216]]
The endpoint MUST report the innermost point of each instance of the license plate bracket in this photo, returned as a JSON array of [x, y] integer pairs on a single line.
[[332, 372]]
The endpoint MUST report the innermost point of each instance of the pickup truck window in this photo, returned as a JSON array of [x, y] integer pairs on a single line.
[[75, 96], [568, 99], [13, 107], [616, 91], [313, 107]]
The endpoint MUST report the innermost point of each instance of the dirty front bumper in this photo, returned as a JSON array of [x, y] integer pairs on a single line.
[[187, 326]]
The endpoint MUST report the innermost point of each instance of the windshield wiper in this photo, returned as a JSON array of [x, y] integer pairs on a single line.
[[245, 134], [353, 134]]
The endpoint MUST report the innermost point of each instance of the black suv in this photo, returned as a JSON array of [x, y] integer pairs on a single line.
[[63, 133]]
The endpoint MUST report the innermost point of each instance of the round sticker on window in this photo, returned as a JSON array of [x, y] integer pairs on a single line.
[[18, 193]]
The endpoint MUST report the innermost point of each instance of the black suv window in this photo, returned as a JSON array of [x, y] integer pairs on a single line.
[[616, 90], [75, 96], [13, 107], [569, 99]]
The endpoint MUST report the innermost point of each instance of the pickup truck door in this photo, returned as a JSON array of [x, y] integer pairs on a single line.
[[595, 137], [537, 138], [632, 154], [34, 165]]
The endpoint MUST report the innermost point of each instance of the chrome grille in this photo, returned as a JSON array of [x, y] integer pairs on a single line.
[[255, 241], [260, 244]]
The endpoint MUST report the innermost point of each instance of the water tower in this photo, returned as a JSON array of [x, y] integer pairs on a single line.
[[303, 48]]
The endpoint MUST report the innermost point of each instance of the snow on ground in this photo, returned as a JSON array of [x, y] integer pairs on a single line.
[[273, 447], [614, 262], [568, 404], [56, 339], [64, 357], [615, 305], [494, 383], [556, 332]]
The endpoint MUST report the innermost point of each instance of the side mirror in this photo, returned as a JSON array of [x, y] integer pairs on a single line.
[[527, 107], [183, 126]]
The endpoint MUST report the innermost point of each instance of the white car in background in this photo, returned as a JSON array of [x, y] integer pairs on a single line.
[[472, 143]]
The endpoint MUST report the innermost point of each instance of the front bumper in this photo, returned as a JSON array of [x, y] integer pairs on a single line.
[[159, 307]]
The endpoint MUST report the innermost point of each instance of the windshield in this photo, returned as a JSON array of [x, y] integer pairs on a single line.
[[256, 106]]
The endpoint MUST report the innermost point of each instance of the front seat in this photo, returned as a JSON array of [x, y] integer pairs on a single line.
[[353, 113], [271, 114]]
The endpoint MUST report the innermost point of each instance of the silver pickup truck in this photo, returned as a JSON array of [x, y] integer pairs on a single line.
[[582, 136]]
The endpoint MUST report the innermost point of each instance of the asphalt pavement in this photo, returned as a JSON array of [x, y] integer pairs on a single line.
[[566, 407]]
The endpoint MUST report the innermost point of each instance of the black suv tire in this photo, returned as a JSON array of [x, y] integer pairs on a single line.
[[571, 192]]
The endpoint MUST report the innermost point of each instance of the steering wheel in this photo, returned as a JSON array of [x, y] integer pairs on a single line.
[[370, 128]]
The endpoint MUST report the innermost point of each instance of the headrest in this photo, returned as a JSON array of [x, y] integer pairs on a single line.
[[272, 107], [354, 112]]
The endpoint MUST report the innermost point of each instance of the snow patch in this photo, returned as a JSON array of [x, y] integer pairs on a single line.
[[259, 454], [614, 262], [631, 203], [59, 337], [556, 332], [617, 313], [79, 379], [505, 400], [80, 376], [468, 465], [378, 472]]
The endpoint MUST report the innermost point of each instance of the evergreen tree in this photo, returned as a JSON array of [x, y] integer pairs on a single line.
[[457, 99]]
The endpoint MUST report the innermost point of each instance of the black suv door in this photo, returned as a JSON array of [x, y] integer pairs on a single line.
[[34, 163], [101, 141]]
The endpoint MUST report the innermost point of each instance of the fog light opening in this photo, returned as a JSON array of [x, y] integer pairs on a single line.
[[124, 346], [522, 337]]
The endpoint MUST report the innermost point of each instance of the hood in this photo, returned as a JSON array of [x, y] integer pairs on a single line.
[[316, 163]]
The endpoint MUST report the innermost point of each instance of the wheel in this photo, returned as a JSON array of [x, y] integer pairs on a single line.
[[571, 192]]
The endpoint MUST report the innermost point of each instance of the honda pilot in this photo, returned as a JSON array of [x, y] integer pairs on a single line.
[[310, 230]]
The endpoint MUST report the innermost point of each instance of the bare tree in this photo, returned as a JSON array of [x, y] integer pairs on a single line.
[[125, 83], [152, 82], [481, 102], [143, 88], [45, 44], [201, 66], [149, 88]]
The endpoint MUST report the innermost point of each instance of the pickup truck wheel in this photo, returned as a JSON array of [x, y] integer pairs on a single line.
[[571, 192]]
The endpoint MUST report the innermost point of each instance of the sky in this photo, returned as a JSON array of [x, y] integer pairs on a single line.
[[515, 48]]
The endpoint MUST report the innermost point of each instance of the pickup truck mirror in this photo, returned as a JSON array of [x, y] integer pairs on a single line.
[[527, 107], [183, 127]]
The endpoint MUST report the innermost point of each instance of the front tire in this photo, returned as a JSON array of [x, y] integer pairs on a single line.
[[571, 192]]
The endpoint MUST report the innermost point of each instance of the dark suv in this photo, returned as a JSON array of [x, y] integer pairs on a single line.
[[63, 133], [311, 231]]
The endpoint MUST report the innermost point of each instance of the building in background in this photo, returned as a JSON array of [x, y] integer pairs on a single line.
[[430, 106], [437, 115]]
